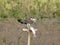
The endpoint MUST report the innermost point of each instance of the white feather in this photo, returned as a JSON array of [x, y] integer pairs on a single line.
[[28, 26], [32, 29], [34, 20], [24, 29]]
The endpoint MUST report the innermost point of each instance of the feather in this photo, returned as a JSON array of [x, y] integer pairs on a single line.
[[32, 29]]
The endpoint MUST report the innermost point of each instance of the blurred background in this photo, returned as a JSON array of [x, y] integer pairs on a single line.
[[47, 13]]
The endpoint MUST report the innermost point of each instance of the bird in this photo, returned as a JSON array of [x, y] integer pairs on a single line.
[[26, 20]]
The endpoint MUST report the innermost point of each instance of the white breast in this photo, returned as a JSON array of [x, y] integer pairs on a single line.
[[32, 29]]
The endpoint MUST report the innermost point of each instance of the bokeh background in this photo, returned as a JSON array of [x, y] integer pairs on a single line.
[[47, 13]]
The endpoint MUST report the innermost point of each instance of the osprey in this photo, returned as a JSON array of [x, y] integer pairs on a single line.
[[28, 21]]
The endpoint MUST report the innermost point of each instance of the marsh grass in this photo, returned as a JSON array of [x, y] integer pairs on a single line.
[[3, 15], [40, 9], [14, 12]]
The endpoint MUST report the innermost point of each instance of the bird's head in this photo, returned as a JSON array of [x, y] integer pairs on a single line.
[[33, 19]]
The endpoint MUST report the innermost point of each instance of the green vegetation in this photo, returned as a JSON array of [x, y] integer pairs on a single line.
[[21, 8]]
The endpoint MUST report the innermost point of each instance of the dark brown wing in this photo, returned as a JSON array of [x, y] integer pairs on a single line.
[[25, 20]]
